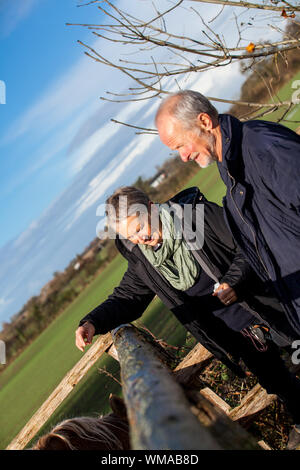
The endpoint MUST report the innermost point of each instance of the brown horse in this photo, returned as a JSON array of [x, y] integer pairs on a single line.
[[109, 432]]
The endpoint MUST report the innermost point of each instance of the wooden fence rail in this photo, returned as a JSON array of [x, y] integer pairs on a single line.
[[159, 413]]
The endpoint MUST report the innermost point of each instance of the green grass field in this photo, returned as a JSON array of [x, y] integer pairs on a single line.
[[209, 183], [285, 94], [28, 381]]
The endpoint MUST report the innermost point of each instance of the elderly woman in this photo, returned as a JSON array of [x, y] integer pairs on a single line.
[[182, 252]]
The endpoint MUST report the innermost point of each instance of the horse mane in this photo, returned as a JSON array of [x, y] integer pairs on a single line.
[[109, 432]]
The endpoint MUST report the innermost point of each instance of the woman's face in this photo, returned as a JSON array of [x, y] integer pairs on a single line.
[[142, 229]]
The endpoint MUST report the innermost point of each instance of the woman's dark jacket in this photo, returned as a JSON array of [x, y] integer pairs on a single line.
[[261, 169], [220, 259]]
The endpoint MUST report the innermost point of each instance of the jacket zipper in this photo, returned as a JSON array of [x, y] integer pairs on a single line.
[[255, 243], [252, 231]]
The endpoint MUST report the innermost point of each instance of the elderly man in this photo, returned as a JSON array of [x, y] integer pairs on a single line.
[[180, 257], [259, 162]]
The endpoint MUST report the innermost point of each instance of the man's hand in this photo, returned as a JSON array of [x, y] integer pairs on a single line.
[[225, 293], [84, 335]]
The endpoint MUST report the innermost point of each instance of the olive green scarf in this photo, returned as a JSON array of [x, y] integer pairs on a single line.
[[173, 260]]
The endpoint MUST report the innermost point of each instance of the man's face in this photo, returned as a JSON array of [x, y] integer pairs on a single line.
[[190, 144], [141, 229]]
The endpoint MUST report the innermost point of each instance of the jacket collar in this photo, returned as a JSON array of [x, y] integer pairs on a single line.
[[126, 243], [232, 133], [187, 196]]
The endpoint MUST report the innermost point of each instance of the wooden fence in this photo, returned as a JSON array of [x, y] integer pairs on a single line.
[[162, 415]]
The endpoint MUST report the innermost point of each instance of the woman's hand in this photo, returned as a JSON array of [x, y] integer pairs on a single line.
[[225, 293], [84, 335]]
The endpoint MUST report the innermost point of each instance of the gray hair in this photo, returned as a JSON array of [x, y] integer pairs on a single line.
[[124, 202], [186, 105]]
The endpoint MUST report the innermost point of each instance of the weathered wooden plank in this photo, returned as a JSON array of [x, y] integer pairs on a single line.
[[228, 433], [61, 392], [113, 352], [190, 367], [217, 401], [192, 364], [158, 411], [264, 445], [255, 400]]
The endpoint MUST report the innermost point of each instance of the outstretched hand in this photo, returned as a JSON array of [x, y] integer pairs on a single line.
[[84, 335], [225, 293]]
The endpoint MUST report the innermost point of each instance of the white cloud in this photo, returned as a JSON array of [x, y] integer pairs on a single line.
[[4, 302], [68, 96], [101, 137], [26, 234], [13, 12], [48, 148], [61, 101], [138, 145], [112, 172]]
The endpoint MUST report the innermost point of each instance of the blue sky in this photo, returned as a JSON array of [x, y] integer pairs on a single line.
[[60, 155], [36, 48]]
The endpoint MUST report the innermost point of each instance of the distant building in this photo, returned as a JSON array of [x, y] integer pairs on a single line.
[[157, 179], [77, 266]]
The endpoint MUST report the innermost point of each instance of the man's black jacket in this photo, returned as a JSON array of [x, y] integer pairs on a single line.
[[261, 169], [219, 257]]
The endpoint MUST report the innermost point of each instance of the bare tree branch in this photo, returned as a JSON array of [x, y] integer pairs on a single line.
[[173, 55], [149, 131], [257, 6]]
